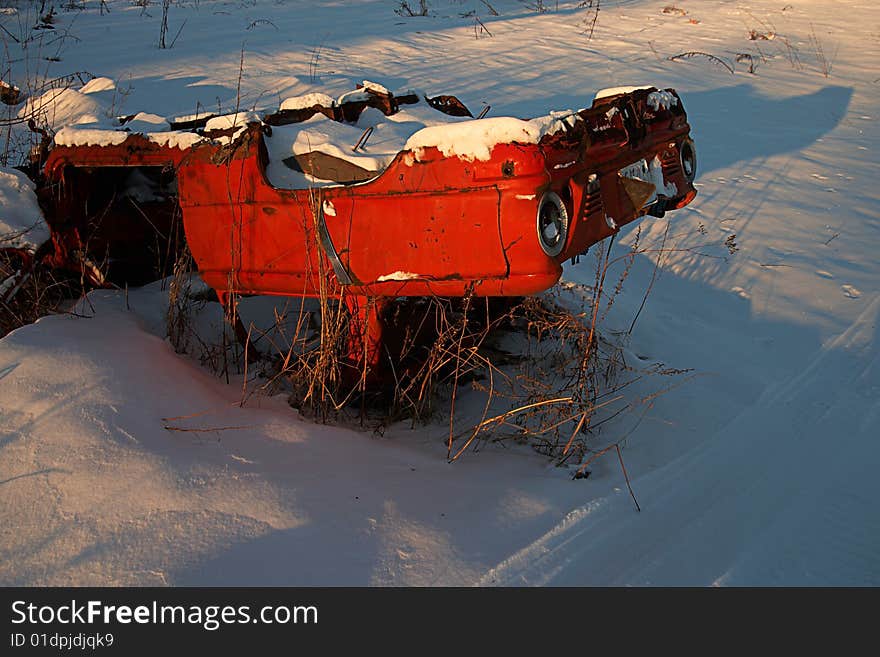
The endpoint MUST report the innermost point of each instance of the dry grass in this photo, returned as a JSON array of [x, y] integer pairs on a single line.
[[405, 9], [29, 292], [593, 8], [562, 386], [539, 372], [823, 61], [699, 53]]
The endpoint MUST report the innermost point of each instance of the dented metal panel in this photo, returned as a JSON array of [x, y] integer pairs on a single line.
[[427, 225]]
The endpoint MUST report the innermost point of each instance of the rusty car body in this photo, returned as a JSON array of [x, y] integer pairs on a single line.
[[444, 216]]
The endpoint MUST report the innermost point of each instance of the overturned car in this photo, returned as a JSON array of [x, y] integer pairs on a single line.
[[372, 195]]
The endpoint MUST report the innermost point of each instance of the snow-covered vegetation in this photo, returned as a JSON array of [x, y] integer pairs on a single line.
[[124, 462]]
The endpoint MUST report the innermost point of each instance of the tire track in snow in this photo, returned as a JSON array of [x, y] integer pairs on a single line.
[[732, 511]]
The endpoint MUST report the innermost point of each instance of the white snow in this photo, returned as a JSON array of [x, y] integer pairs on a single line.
[[175, 139], [195, 116], [85, 117], [316, 134], [353, 96], [306, 101], [398, 276], [319, 133], [850, 291], [21, 222], [142, 124], [374, 86], [362, 94], [68, 106], [145, 122], [409, 91], [413, 128], [661, 100], [235, 120], [98, 84], [667, 189], [71, 136], [617, 91], [475, 139], [761, 471]]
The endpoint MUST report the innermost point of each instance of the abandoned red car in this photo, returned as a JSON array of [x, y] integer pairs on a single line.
[[381, 195]]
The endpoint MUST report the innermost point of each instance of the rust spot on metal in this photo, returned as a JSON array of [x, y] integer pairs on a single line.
[[431, 216], [449, 105]]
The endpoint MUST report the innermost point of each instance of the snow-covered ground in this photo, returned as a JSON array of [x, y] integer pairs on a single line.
[[761, 470]]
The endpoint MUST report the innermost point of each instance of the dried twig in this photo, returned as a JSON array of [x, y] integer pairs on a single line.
[[490, 8], [206, 429], [595, 6], [626, 476], [698, 53], [653, 278]]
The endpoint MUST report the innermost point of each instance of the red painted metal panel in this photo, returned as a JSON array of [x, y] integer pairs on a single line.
[[426, 225]]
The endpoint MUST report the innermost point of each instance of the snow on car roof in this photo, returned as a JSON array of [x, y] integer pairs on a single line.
[[306, 101], [337, 139], [475, 139], [415, 127], [74, 136], [617, 91]]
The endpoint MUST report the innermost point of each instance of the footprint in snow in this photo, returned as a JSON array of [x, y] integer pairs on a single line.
[[824, 274], [850, 291], [741, 293]]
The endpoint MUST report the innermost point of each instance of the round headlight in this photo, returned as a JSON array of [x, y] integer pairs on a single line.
[[552, 224], [689, 160]]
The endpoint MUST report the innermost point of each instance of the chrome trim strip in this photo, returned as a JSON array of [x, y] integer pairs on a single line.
[[327, 244]]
